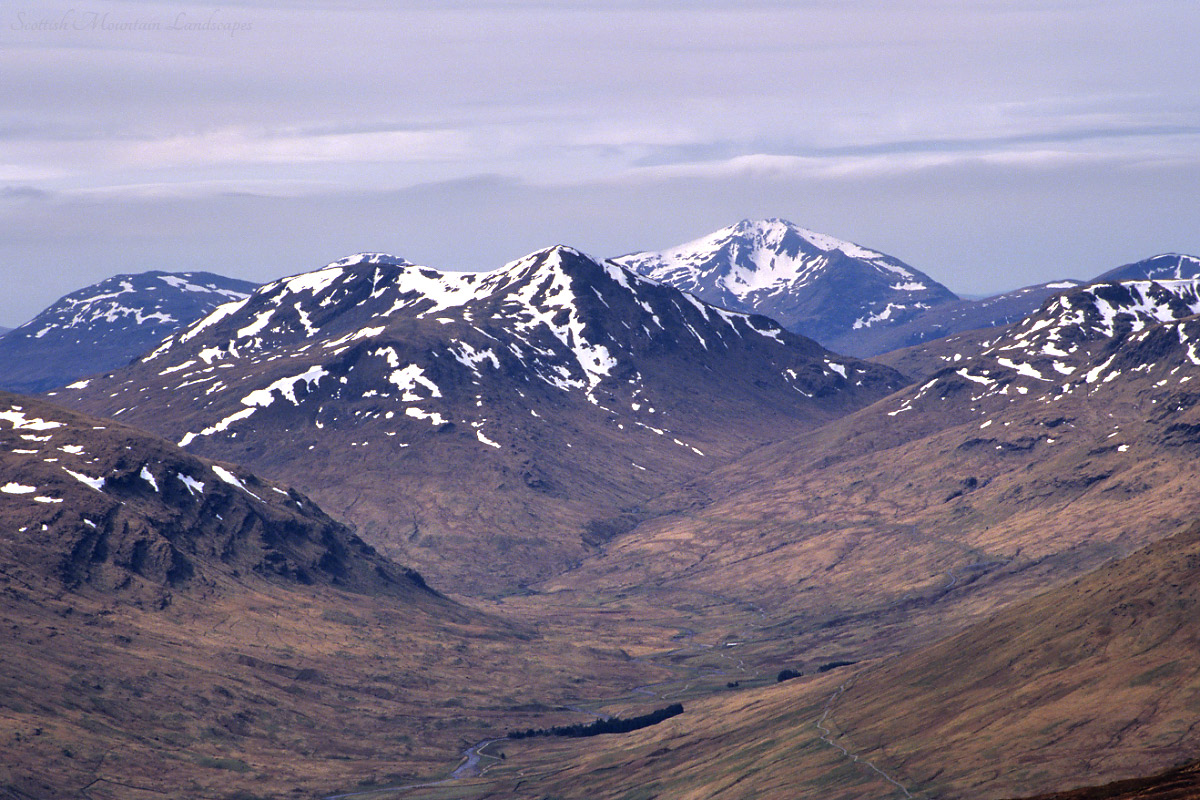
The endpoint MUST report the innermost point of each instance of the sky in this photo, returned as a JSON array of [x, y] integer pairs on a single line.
[[989, 144]]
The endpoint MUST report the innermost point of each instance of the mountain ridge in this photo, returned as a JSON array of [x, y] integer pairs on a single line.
[[576, 388], [1008, 308]]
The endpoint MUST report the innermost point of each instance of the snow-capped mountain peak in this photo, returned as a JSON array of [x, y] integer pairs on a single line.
[[752, 256], [773, 233], [815, 284]]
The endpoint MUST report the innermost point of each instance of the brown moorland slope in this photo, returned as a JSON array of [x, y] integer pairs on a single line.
[[1180, 783], [931, 509], [174, 627], [1097, 680]]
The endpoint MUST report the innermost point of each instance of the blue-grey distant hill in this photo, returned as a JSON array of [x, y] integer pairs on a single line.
[[107, 325]]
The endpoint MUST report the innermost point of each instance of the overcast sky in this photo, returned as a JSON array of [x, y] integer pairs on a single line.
[[989, 144]]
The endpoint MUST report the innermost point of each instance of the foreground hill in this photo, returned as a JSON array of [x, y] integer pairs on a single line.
[[107, 325], [112, 508], [1178, 783], [489, 428], [815, 285], [176, 627], [1094, 681]]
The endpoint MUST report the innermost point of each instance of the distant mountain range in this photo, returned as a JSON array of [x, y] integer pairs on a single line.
[[488, 428], [107, 325], [849, 298]]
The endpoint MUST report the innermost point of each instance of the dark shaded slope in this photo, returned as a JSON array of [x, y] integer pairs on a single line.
[[90, 503]]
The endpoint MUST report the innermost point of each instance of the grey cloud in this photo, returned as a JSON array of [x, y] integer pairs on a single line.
[[194, 150], [23, 193], [711, 151]]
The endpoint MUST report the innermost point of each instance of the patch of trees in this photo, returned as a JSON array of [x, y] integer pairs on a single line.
[[610, 725], [788, 674]]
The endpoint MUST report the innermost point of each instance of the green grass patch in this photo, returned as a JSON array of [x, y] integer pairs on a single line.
[[231, 764], [1156, 674]]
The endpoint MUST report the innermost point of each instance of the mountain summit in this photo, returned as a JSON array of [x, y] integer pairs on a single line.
[[814, 284], [1163, 267]]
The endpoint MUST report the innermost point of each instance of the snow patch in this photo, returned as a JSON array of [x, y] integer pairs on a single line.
[[95, 483], [434, 418], [194, 486], [286, 387], [148, 477], [233, 480]]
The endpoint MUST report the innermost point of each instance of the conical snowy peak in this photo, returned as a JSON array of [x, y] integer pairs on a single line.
[[781, 235], [814, 284], [759, 254]]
